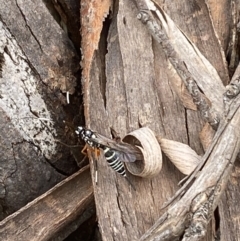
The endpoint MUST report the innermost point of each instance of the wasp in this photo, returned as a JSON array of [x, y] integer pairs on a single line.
[[115, 152]]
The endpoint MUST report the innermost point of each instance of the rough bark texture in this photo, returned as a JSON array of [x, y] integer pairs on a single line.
[[194, 18], [66, 13], [135, 90], [206, 189], [127, 83], [38, 66], [46, 216]]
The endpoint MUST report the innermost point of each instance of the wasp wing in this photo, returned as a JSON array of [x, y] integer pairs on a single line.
[[126, 157], [126, 152]]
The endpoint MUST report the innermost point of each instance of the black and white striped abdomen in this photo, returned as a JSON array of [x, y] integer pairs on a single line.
[[113, 161]]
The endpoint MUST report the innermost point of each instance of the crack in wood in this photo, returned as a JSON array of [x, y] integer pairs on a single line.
[[27, 25]]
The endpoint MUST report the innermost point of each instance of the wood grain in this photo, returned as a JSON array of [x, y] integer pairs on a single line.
[[45, 217], [138, 92]]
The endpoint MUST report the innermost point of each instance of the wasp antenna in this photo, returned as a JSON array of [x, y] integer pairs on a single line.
[[64, 144]]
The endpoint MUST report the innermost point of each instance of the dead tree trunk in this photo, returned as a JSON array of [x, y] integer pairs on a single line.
[[128, 83], [129, 80], [38, 66], [53, 215]]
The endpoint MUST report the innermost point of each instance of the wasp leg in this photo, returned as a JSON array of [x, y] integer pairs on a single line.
[[96, 155], [84, 150], [81, 162]]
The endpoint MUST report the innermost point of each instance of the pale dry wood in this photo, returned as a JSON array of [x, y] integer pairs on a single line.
[[232, 90], [181, 155], [206, 135], [216, 167], [194, 19], [184, 51], [45, 217], [131, 98], [221, 15], [171, 231], [145, 141], [180, 89]]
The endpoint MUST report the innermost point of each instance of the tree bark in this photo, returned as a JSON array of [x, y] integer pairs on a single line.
[[127, 83], [135, 90], [47, 217], [38, 67]]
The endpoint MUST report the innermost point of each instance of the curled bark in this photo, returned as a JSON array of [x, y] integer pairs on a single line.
[[190, 215], [196, 205]]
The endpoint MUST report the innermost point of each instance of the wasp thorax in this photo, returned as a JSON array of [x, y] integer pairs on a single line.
[[88, 133], [145, 140]]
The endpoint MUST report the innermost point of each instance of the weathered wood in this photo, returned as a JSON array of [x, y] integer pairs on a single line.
[[209, 185], [43, 42], [228, 210], [92, 14], [45, 217], [38, 64], [194, 70], [194, 18], [228, 207], [135, 90], [167, 228], [122, 213], [69, 12], [134, 94], [223, 19]]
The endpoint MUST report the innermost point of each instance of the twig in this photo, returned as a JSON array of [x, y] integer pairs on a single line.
[[232, 90], [155, 27], [190, 215]]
